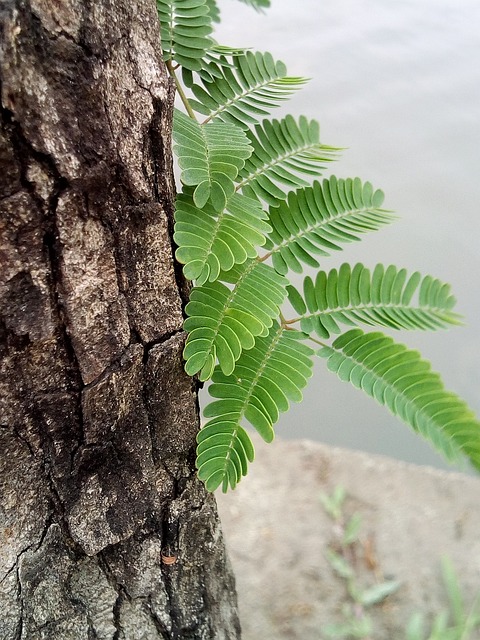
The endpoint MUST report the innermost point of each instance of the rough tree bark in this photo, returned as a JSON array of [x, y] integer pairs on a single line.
[[98, 494]]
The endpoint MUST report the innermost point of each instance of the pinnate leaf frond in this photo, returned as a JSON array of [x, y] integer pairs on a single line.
[[319, 219], [399, 379], [282, 151], [231, 164], [244, 90], [185, 28], [222, 322], [386, 297], [266, 378], [210, 242], [216, 58], [210, 156], [223, 453]]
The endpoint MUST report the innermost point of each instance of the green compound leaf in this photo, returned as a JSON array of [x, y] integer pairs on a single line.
[[319, 219], [399, 379], [210, 242], [210, 157], [223, 453], [386, 297], [282, 149], [215, 59], [266, 378], [223, 322], [213, 10], [185, 28], [245, 89]]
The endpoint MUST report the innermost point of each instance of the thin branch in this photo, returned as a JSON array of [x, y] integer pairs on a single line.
[[322, 344], [180, 90], [265, 257]]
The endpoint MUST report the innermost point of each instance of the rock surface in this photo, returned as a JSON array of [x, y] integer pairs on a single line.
[[277, 532]]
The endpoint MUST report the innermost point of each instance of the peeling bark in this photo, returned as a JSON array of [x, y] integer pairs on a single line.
[[105, 531]]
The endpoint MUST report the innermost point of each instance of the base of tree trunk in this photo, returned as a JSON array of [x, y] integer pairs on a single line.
[[170, 579]]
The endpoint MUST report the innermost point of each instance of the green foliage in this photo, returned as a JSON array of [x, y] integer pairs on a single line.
[[210, 242], [257, 4], [247, 88], [342, 556], [383, 297], [398, 378], [333, 504], [249, 183], [317, 220], [458, 622], [185, 28], [210, 157], [213, 10], [264, 381], [223, 321], [281, 150]]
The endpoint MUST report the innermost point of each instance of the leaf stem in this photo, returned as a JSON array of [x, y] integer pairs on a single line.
[[265, 257], [322, 344], [181, 92], [284, 323]]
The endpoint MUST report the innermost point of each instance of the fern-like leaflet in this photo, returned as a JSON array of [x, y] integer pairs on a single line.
[[185, 28], [259, 5], [317, 220], [213, 10], [223, 321], [210, 241], [282, 149], [210, 157], [381, 298], [245, 89], [398, 378], [265, 379], [233, 167]]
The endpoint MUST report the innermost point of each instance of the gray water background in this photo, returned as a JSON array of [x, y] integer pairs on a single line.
[[398, 85]]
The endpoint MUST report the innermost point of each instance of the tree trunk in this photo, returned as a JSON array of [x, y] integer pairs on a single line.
[[105, 532]]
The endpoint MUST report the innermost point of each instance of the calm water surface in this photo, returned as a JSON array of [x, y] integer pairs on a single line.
[[398, 85]]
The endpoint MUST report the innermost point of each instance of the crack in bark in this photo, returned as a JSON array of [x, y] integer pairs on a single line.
[[35, 546], [19, 630], [169, 590], [148, 346], [159, 625], [24, 152], [22, 438], [117, 608], [14, 566], [121, 592]]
